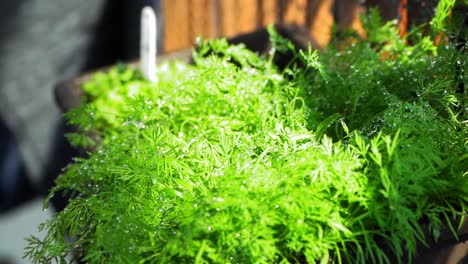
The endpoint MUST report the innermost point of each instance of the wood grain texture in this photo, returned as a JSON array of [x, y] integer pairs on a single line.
[[176, 24], [320, 20], [228, 17], [186, 19], [202, 19], [403, 17], [268, 11], [349, 15], [295, 12], [248, 14]]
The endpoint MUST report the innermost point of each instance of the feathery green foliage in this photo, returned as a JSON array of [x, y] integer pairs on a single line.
[[231, 160], [443, 10]]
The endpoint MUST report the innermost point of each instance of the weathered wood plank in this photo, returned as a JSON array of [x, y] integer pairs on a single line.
[[185, 19], [319, 20], [295, 12], [248, 15], [202, 19], [176, 24], [349, 15], [268, 11], [228, 17]]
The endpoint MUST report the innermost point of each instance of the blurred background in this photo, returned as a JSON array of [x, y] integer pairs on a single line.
[[45, 41]]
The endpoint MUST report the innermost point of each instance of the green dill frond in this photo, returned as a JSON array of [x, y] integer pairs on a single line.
[[231, 160]]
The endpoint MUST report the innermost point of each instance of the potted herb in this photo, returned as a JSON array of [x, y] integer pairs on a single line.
[[354, 155]]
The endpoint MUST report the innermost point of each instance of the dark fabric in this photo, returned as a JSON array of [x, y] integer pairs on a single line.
[[14, 185], [41, 43]]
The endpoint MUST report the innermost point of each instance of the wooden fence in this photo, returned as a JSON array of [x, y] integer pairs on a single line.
[[184, 20]]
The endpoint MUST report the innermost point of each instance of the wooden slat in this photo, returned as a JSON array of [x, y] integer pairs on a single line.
[[349, 15], [249, 16], [201, 19], [321, 20], [176, 24], [196, 18], [295, 12], [228, 17], [185, 19], [269, 11], [403, 17], [215, 27]]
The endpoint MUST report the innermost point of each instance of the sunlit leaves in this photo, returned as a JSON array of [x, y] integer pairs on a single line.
[[232, 161]]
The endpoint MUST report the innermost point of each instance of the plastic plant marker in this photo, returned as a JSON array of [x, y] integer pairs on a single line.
[[148, 43]]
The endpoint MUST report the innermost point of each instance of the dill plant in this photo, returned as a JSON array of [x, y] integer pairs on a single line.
[[231, 160]]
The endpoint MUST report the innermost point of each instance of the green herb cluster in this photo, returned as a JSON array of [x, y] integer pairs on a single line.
[[346, 157]]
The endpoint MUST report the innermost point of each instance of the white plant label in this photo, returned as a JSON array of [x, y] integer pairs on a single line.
[[148, 43]]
